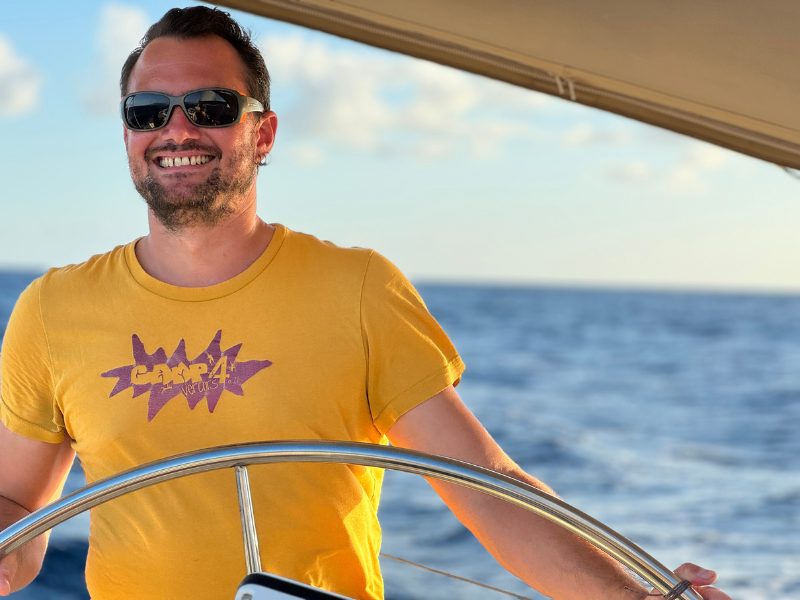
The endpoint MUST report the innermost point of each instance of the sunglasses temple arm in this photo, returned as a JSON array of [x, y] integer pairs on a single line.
[[253, 105]]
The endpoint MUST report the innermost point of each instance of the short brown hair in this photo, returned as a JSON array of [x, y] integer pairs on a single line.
[[198, 22]]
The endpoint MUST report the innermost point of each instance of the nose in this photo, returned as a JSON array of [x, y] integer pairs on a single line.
[[179, 128]]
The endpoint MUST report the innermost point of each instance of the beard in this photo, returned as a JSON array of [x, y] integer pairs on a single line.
[[207, 203]]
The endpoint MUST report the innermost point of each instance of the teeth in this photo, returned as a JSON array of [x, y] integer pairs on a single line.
[[183, 161]]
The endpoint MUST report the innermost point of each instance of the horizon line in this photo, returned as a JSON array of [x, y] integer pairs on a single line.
[[553, 284]]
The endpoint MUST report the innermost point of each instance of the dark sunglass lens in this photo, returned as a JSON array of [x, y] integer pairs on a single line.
[[212, 108], [146, 111]]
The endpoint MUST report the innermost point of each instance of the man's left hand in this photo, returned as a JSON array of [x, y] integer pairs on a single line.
[[701, 580]]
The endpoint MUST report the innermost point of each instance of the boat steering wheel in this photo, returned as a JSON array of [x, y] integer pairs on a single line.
[[238, 456]]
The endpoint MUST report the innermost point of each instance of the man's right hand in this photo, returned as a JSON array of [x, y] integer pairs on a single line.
[[31, 474], [22, 566], [701, 580], [8, 570]]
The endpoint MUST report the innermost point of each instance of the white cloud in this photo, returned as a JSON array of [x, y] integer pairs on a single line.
[[583, 134], [709, 157], [305, 154], [687, 174], [20, 82], [685, 178], [635, 170], [371, 100], [700, 158], [121, 28]]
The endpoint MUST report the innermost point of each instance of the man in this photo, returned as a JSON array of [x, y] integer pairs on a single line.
[[219, 328]]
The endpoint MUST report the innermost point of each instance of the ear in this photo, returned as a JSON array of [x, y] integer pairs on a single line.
[[267, 127]]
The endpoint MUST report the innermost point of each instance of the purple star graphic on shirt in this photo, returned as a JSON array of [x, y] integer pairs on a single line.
[[207, 376]]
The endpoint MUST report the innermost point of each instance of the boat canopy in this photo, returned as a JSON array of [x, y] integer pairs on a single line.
[[723, 71]]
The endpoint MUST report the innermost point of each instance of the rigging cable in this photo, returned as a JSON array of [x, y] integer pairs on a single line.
[[483, 585], [792, 172]]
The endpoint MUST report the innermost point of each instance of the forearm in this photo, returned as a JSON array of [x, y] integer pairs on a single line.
[[21, 567], [546, 556]]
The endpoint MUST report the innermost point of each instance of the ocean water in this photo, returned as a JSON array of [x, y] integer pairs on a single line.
[[671, 417]]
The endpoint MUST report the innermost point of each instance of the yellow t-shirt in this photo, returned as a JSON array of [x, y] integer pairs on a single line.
[[310, 342]]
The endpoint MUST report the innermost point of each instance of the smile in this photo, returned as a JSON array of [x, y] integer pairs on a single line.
[[182, 161]]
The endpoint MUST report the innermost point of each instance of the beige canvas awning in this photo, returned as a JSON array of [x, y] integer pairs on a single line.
[[724, 71]]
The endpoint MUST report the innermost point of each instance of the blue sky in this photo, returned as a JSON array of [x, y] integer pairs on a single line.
[[450, 175]]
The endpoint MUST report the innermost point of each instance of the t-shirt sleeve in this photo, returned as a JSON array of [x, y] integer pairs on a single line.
[[27, 401], [409, 356]]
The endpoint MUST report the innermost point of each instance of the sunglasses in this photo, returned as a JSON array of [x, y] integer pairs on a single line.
[[206, 107]]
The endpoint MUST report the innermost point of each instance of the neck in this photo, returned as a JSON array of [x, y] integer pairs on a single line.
[[204, 256]]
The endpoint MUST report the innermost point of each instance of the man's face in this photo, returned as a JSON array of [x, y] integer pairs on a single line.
[[209, 191]]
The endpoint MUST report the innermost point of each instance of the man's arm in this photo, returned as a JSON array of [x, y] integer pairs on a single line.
[[31, 473], [546, 556]]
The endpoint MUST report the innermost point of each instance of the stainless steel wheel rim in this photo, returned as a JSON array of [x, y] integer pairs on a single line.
[[370, 455]]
